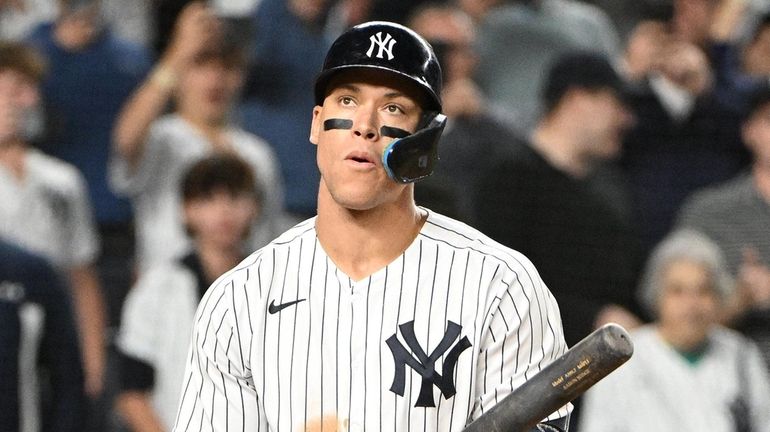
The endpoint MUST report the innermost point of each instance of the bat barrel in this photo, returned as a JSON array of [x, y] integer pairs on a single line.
[[566, 378]]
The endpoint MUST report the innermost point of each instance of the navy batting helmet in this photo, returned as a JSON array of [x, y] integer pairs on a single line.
[[385, 46]]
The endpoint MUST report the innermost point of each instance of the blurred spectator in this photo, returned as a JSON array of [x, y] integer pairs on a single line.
[[560, 203], [37, 329], [625, 14], [237, 13], [290, 45], [152, 151], [345, 14], [220, 204], [44, 206], [91, 74], [397, 10], [691, 21], [519, 39], [19, 17], [739, 68], [684, 138], [129, 19], [735, 216], [687, 373], [472, 137], [477, 9]]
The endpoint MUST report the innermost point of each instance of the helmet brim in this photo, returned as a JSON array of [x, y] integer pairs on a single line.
[[432, 100]]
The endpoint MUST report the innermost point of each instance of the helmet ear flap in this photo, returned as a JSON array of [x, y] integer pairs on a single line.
[[413, 157]]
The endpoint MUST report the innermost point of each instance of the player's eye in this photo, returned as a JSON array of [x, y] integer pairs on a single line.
[[346, 100], [394, 109]]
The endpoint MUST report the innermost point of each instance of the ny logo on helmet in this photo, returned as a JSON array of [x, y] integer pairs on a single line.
[[384, 45]]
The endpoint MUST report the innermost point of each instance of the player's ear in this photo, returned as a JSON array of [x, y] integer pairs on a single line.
[[315, 126]]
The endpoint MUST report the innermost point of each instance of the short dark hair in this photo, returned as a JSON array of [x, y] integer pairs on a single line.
[[656, 10], [579, 69], [219, 171], [23, 59]]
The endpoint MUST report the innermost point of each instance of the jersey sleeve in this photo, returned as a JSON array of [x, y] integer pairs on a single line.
[[218, 391], [523, 334]]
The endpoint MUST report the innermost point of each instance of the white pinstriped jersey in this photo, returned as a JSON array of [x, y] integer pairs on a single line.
[[287, 342]]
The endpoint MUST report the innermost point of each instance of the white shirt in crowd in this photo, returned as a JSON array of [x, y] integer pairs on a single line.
[[48, 212], [658, 390], [156, 328], [172, 147]]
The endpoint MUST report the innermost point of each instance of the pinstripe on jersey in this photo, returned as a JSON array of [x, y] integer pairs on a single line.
[[324, 363]]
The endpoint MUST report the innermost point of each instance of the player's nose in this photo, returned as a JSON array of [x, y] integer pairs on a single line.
[[365, 123]]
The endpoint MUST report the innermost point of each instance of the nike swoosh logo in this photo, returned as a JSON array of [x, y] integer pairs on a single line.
[[273, 308]]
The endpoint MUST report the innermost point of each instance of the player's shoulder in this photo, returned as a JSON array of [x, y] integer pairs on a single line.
[[450, 233], [301, 232]]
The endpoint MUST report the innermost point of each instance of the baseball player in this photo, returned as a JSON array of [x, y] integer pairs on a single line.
[[376, 314]]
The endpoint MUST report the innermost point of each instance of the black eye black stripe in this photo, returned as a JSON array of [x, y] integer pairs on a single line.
[[338, 124], [388, 131], [393, 132]]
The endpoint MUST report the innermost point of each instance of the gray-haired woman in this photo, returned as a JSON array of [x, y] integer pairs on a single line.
[[688, 373]]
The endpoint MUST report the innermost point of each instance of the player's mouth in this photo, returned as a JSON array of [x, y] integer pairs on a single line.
[[361, 159]]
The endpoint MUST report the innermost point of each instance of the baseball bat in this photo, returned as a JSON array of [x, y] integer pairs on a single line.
[[566, 378]]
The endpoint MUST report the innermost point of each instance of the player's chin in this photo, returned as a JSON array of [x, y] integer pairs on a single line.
[[357, 201], [360, 197]]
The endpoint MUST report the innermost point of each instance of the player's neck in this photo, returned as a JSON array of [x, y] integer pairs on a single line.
[[363, 242]]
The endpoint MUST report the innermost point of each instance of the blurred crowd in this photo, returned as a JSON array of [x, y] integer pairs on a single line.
[[146, 147]]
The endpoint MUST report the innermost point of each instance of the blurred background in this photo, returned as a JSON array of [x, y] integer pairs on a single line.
[[581, 133]]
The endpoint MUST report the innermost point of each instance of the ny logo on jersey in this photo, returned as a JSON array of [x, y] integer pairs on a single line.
[[384, 45], [424, 364]]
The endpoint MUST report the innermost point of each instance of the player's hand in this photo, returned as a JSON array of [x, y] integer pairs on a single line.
[[613, 313], [196, 29], [754, 279]]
